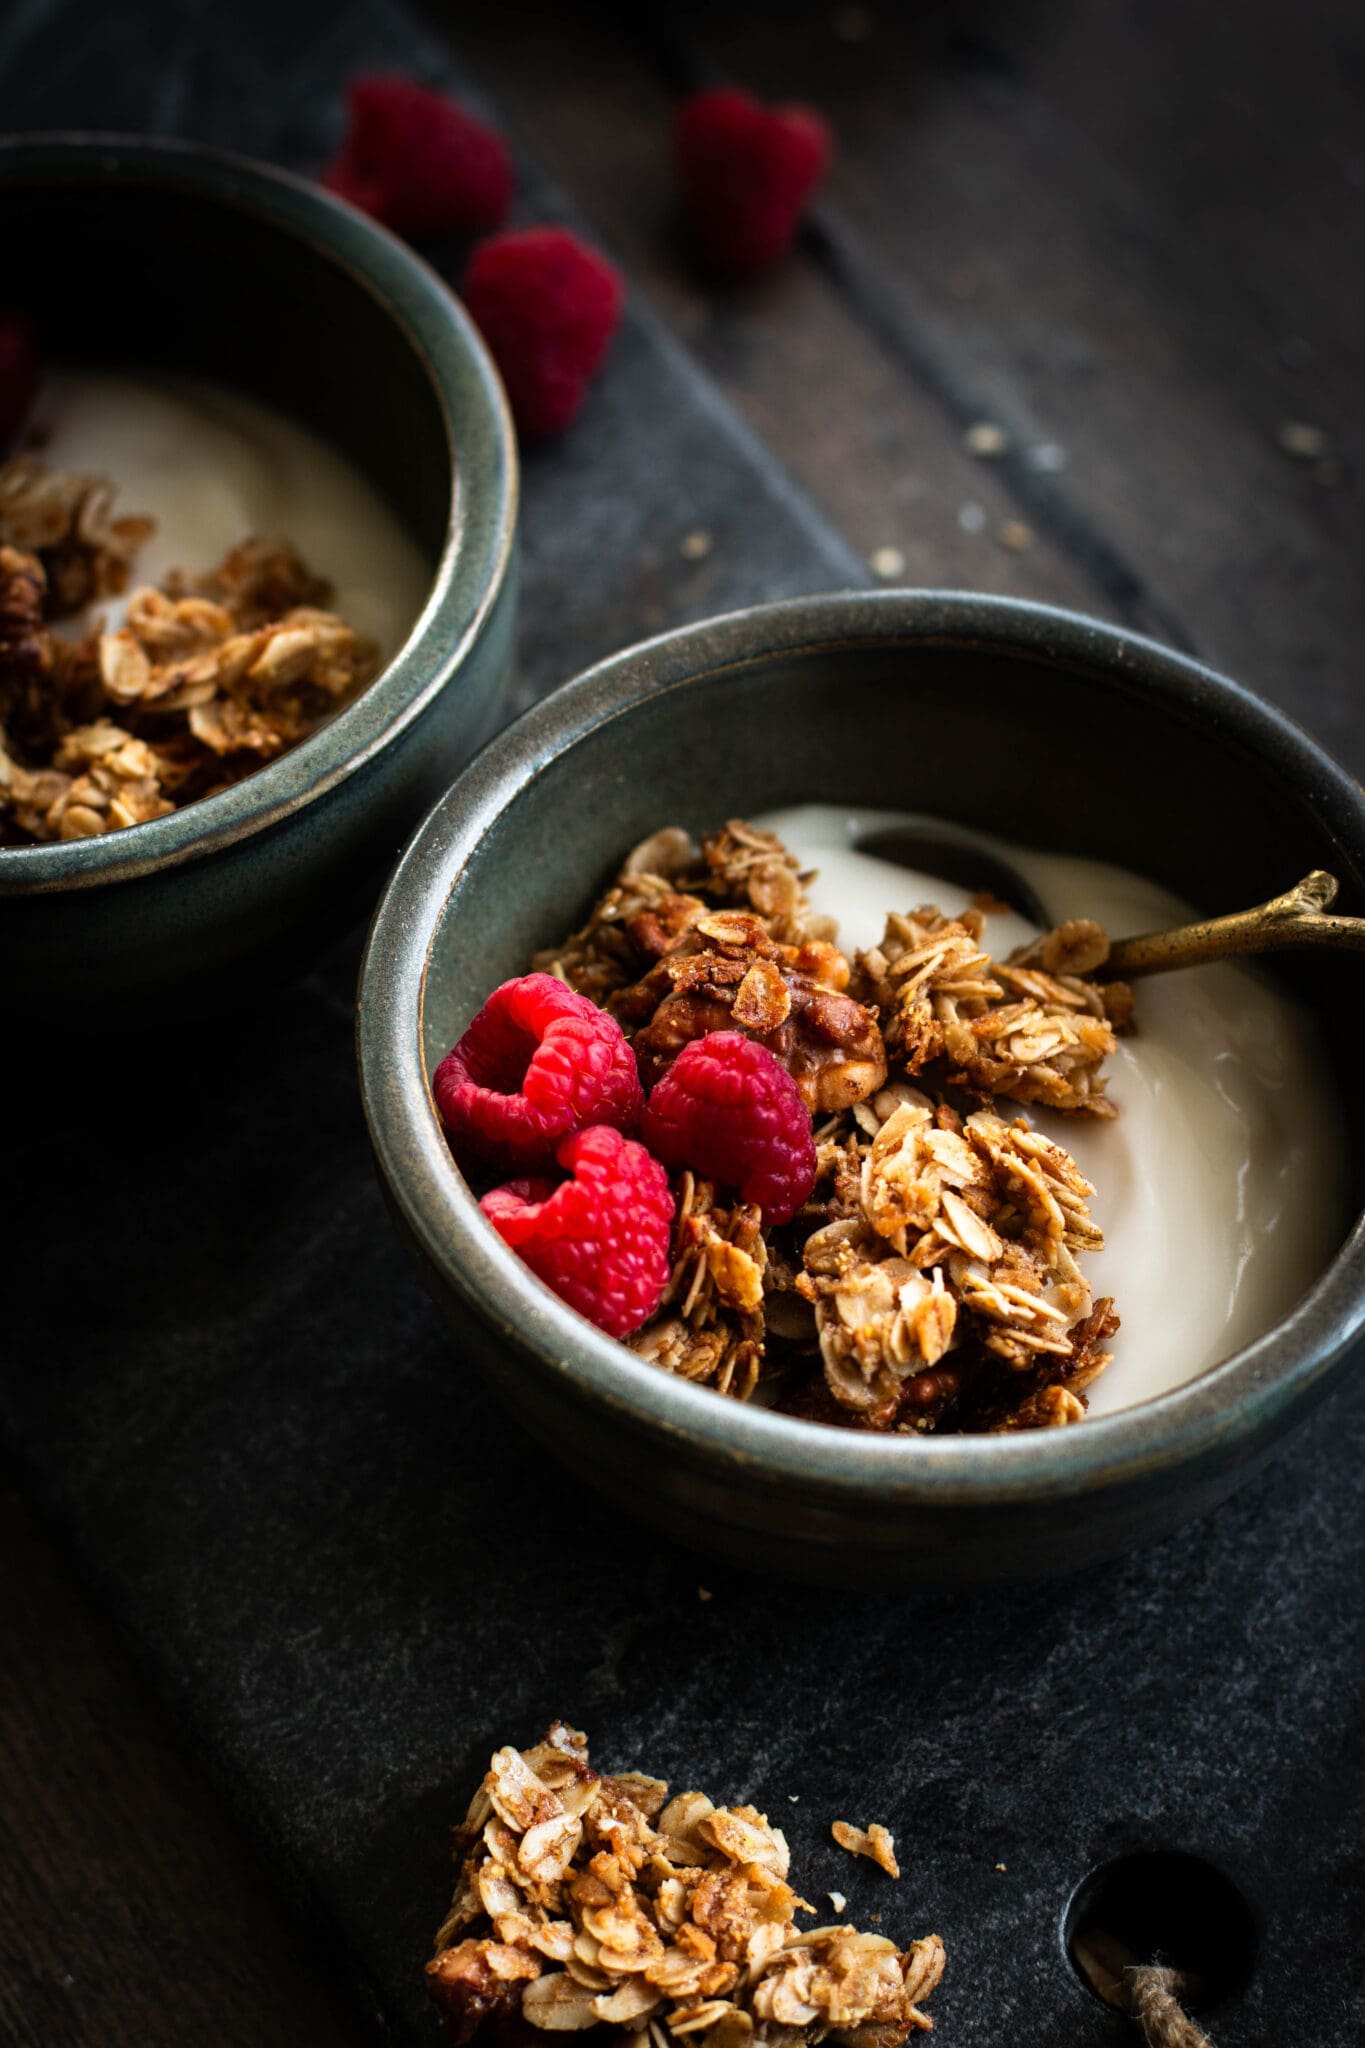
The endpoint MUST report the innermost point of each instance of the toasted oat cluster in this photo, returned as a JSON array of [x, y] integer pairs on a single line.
[[590, 1901], [206, 679], [933, 1280]]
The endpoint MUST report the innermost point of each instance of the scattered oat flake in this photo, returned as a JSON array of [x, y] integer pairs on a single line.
[[1000, 1866], [794, 1797], [985, 439], [695, 546], [1014, 535], [837, 1900], [1303, 442], [875, 1842], [888, 563]]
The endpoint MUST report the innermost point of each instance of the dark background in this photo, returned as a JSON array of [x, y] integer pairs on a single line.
[[276, 1576]]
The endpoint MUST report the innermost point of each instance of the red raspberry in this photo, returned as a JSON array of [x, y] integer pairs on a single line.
[[547, 305], [746, 172], [419, 163], [731, 1111], [601, 1240], [18, 371], [538, 1062]]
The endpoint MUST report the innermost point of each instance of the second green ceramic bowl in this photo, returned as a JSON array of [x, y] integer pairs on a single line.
[[160, 256], [1046, 728]]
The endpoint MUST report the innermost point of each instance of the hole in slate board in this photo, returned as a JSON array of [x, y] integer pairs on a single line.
[[1161, 1905]]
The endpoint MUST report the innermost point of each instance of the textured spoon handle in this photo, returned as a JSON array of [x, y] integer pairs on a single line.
[[1294, 919]]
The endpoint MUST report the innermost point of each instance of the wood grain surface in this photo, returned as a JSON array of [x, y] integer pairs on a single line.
[[1130, 237]]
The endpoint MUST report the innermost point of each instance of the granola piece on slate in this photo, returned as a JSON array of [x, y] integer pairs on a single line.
[[583, 1900], [874, 1842]]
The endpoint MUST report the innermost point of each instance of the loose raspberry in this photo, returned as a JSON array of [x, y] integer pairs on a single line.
[[538, 1062], [746, 172], [601, 1240], [731, 1111], [18, 371], [418, 162], [548, 306]]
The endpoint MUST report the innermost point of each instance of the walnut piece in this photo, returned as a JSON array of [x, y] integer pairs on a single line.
[[583, 1900]]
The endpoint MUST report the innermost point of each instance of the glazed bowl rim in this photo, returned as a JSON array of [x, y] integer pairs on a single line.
[[476, 548], [1238, 1400]]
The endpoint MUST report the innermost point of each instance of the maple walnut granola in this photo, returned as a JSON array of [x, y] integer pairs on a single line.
[[933, 1278], [583, 1900], [207, 677]]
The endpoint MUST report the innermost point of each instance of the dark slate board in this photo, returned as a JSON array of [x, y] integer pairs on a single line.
[[354, 1576]]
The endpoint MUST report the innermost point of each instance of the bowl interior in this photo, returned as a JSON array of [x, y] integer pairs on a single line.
[[143, 272], [1049, 751]]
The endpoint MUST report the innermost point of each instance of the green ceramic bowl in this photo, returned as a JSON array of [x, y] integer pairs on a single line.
[[151, 255], [1081, 738]]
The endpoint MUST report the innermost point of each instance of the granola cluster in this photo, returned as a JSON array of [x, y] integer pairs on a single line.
[[205, 680], [583, 1901], [933, 1280]]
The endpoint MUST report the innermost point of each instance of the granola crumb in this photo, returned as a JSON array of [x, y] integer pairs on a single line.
[[837, 1900], [696, 546], [703, 1593], [985, 440], [874, 1842], [1015, 535], [888, 563], [1000, 1866], [1303, 441], [581, 1898]]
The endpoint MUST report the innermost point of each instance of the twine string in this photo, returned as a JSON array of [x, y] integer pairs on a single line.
[[1155, 2005], [1150, 1993]]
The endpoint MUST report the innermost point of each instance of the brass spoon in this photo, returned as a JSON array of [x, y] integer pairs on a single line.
[[1294, 919]]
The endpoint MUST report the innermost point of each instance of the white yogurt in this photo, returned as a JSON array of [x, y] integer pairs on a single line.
[[1220, 1186], [214, 468]]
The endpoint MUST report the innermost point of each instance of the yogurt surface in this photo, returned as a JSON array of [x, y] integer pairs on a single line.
[[1221, 1184], [214, 468]]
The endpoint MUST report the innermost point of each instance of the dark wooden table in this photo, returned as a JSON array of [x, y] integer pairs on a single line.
[[1129, 237]]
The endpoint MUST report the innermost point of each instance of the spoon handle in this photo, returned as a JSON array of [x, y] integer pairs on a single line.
[[1294, 919]]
